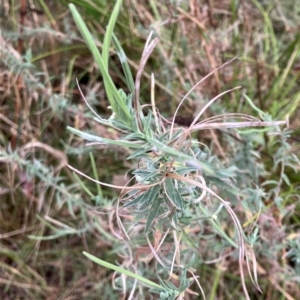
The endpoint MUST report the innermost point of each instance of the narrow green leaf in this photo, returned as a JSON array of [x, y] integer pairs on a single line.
[[138, 200], [151, 175], [83, 186], [259, 111], [110, 123], [139, 153], [96, 176], [286, 179], [173, 194], [147, 125], [109, 32], [121, 270], [134, 136], [125, 65], [153, 212], [175, 136], [188, 240], [170, 285], [185, 170], [121, 109], [94, 138], [146, 197], [164, 138]]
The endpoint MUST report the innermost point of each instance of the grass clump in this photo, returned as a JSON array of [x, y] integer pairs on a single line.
[[175, 187]]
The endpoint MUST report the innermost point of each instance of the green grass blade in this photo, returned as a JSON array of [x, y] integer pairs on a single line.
[[125, 65], [109, 32], [153, 212], [121, 270], [105, 54], [96, 176], [114, 98]]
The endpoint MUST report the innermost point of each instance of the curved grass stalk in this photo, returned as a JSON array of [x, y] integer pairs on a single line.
[[210, 103], [199, 82], [221, 117], [236, 221]]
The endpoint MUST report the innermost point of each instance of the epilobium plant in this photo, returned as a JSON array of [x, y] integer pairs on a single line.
[[181, 189]]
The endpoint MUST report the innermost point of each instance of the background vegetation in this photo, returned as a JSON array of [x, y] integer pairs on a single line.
[[48, 216]]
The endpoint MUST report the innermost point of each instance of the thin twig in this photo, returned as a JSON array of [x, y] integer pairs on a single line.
[[199, 82]]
